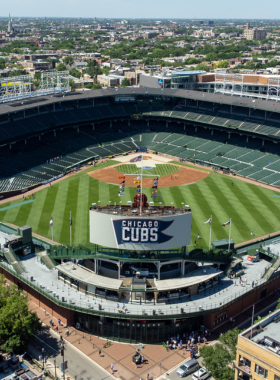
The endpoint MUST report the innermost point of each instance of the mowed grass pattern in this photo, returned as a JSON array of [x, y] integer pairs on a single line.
[[251, 207], [160, 170]]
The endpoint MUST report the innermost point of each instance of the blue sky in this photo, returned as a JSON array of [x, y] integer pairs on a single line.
[[244, 9]]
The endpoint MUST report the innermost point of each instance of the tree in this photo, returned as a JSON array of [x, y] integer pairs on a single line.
[[2, 64], [37, 76], [96, 86], [93, 69], [61, 67], [75, 73], [125, 82], [203, 67], [222, 65], [18, 324], [68, 60], [72, 84], [216, 360], [219, 357], [105, 70]]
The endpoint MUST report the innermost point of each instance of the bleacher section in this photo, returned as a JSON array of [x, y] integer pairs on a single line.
[[38, 154]]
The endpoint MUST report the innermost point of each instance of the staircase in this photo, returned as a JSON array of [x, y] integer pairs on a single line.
[[13, 260], [47, 260], [232, 265], [272, 269]]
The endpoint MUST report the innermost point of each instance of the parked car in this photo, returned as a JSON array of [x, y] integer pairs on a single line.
[[201, 374], [187, 368]]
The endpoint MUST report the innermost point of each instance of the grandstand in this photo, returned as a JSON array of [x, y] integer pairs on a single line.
[[45, 138]]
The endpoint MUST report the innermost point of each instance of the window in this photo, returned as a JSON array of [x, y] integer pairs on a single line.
[[276, 377], [261, 371]]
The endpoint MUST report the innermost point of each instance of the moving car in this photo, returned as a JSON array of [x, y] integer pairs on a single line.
[[187, 368]]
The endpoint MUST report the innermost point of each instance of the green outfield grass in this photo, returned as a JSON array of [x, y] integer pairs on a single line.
[[251, 207]]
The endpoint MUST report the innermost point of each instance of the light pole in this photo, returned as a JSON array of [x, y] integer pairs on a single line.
[[55, 369], [43, 350]]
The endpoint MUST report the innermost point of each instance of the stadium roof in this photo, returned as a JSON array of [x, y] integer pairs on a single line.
[[187, 94]]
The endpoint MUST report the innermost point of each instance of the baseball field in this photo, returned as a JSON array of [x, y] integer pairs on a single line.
[[251, 207]]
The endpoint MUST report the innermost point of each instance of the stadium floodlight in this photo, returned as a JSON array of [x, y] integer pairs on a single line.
[[24, 86]]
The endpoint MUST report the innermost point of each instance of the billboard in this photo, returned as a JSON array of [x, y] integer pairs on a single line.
[[140, 233]]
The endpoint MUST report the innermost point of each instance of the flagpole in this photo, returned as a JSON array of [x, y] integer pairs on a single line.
[[229, 235], [210, 234], [52, 228], [141, 184], [70, 230]]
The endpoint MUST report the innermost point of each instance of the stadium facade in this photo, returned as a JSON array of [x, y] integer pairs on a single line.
[[139, 260]]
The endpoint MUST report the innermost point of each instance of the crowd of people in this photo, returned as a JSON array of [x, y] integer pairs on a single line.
[[188, 341]]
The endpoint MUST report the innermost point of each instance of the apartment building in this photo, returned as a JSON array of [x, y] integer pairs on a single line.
[[258, 351], [36, 65], [254, 33]]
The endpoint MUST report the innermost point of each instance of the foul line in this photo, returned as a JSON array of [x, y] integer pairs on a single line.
[[16, 205]]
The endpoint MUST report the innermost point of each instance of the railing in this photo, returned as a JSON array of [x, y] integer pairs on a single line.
[[205, 255], [96, 306]]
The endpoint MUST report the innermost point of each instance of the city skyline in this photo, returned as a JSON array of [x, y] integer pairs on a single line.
[[123, 9]]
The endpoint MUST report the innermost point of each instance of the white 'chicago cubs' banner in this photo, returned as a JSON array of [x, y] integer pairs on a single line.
[[141, 231]]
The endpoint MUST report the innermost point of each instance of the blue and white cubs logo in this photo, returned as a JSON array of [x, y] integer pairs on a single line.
[[141, 231]]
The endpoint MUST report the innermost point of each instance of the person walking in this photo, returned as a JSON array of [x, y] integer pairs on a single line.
[[148, 376], [112, 367], [142, 360], [59, 320], [197, 236], [45, 311], [252, 233], [99, 352]]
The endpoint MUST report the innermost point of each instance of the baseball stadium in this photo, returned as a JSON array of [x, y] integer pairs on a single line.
[[134, 212]]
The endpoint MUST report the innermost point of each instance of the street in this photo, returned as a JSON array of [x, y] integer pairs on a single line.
[[172, 375], [80, 367]]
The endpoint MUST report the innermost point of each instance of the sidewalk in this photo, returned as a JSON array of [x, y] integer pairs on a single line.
[[158, 360]]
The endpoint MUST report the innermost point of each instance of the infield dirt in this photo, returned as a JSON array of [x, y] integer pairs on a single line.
[[183, 176]]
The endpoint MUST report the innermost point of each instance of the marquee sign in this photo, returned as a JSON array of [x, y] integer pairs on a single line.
[[141, 231]]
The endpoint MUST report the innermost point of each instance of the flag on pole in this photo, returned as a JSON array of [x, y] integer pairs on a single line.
[[225, 224], [22, 355], [155, 179], [154, 187], [154, 192], [121, 182], [155, 183], [138, 178], [208, 221], [70, 219], [122, 186], [122, 177], [153, 195], [121, 194], [137, 182], [138, 191], [138, 187], [51, 221]]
